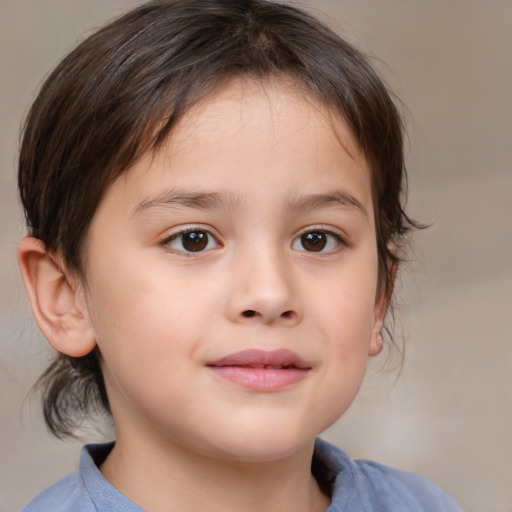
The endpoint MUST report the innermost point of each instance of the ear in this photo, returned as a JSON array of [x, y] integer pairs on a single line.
[[379, 313], [57, 301], [384, 294]]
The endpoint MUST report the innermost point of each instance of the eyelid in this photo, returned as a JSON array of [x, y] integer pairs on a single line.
[[324, 228]]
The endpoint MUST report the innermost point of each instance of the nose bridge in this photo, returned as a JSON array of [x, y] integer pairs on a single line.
[[263, 288]]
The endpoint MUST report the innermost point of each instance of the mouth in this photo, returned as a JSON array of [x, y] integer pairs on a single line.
[[261, 370]]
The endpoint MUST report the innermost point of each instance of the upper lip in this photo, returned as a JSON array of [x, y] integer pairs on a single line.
[[254, 358]]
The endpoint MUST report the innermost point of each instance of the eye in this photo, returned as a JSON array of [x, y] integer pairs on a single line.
[[192, 240], [317, 241]]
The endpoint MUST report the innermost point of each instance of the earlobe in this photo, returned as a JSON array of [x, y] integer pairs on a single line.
[[375, 344], [378, 324], [54, 299], [379, 313]]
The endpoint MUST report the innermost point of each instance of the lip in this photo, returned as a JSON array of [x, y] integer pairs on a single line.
[[261, 370]]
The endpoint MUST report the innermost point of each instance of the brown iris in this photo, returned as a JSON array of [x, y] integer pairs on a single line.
[[314, 242], [194, 241]]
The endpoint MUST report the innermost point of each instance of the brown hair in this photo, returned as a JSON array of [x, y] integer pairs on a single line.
[[122, 90]]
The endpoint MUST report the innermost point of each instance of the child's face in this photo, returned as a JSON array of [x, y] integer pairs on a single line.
[[252, 230]]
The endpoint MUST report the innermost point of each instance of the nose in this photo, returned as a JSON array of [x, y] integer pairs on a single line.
[[263, 291]]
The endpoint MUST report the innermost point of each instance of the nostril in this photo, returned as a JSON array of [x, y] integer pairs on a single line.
[[286, 315]]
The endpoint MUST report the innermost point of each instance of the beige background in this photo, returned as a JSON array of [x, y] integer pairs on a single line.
[[449, 416]]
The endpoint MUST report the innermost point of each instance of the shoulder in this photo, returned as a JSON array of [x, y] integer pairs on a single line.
[[86, 490], [369, 486], [405, 488], [66, 495]]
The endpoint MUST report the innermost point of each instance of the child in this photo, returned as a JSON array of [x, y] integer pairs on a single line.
[[213, 192]]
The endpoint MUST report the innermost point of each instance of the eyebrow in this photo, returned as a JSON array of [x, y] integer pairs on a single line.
[[197, 200], [329, 200], [227, 200]]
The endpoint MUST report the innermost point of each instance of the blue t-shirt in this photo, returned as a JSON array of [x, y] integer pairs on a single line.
[[355, 486]]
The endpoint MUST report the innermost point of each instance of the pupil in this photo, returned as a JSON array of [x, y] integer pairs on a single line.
[[314, 242], [195, 241]]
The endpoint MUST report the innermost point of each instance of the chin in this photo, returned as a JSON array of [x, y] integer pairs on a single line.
[[263, 446]]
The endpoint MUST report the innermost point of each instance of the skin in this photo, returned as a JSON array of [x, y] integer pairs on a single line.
[[159, 314]]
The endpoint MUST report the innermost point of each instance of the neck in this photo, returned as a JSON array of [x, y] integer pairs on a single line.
[[161, 478]]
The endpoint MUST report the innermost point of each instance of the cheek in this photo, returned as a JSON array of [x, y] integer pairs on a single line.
[[146, 354], [145, 327], [344, 313], [347, 342], [345, 306]]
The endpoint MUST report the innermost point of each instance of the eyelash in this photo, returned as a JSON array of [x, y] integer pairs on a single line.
[[203, 243]]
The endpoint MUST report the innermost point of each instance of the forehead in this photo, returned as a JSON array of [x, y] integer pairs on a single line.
[[268, 137], [268, 105]]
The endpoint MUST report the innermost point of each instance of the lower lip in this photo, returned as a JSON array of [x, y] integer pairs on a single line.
[[260, 379]]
